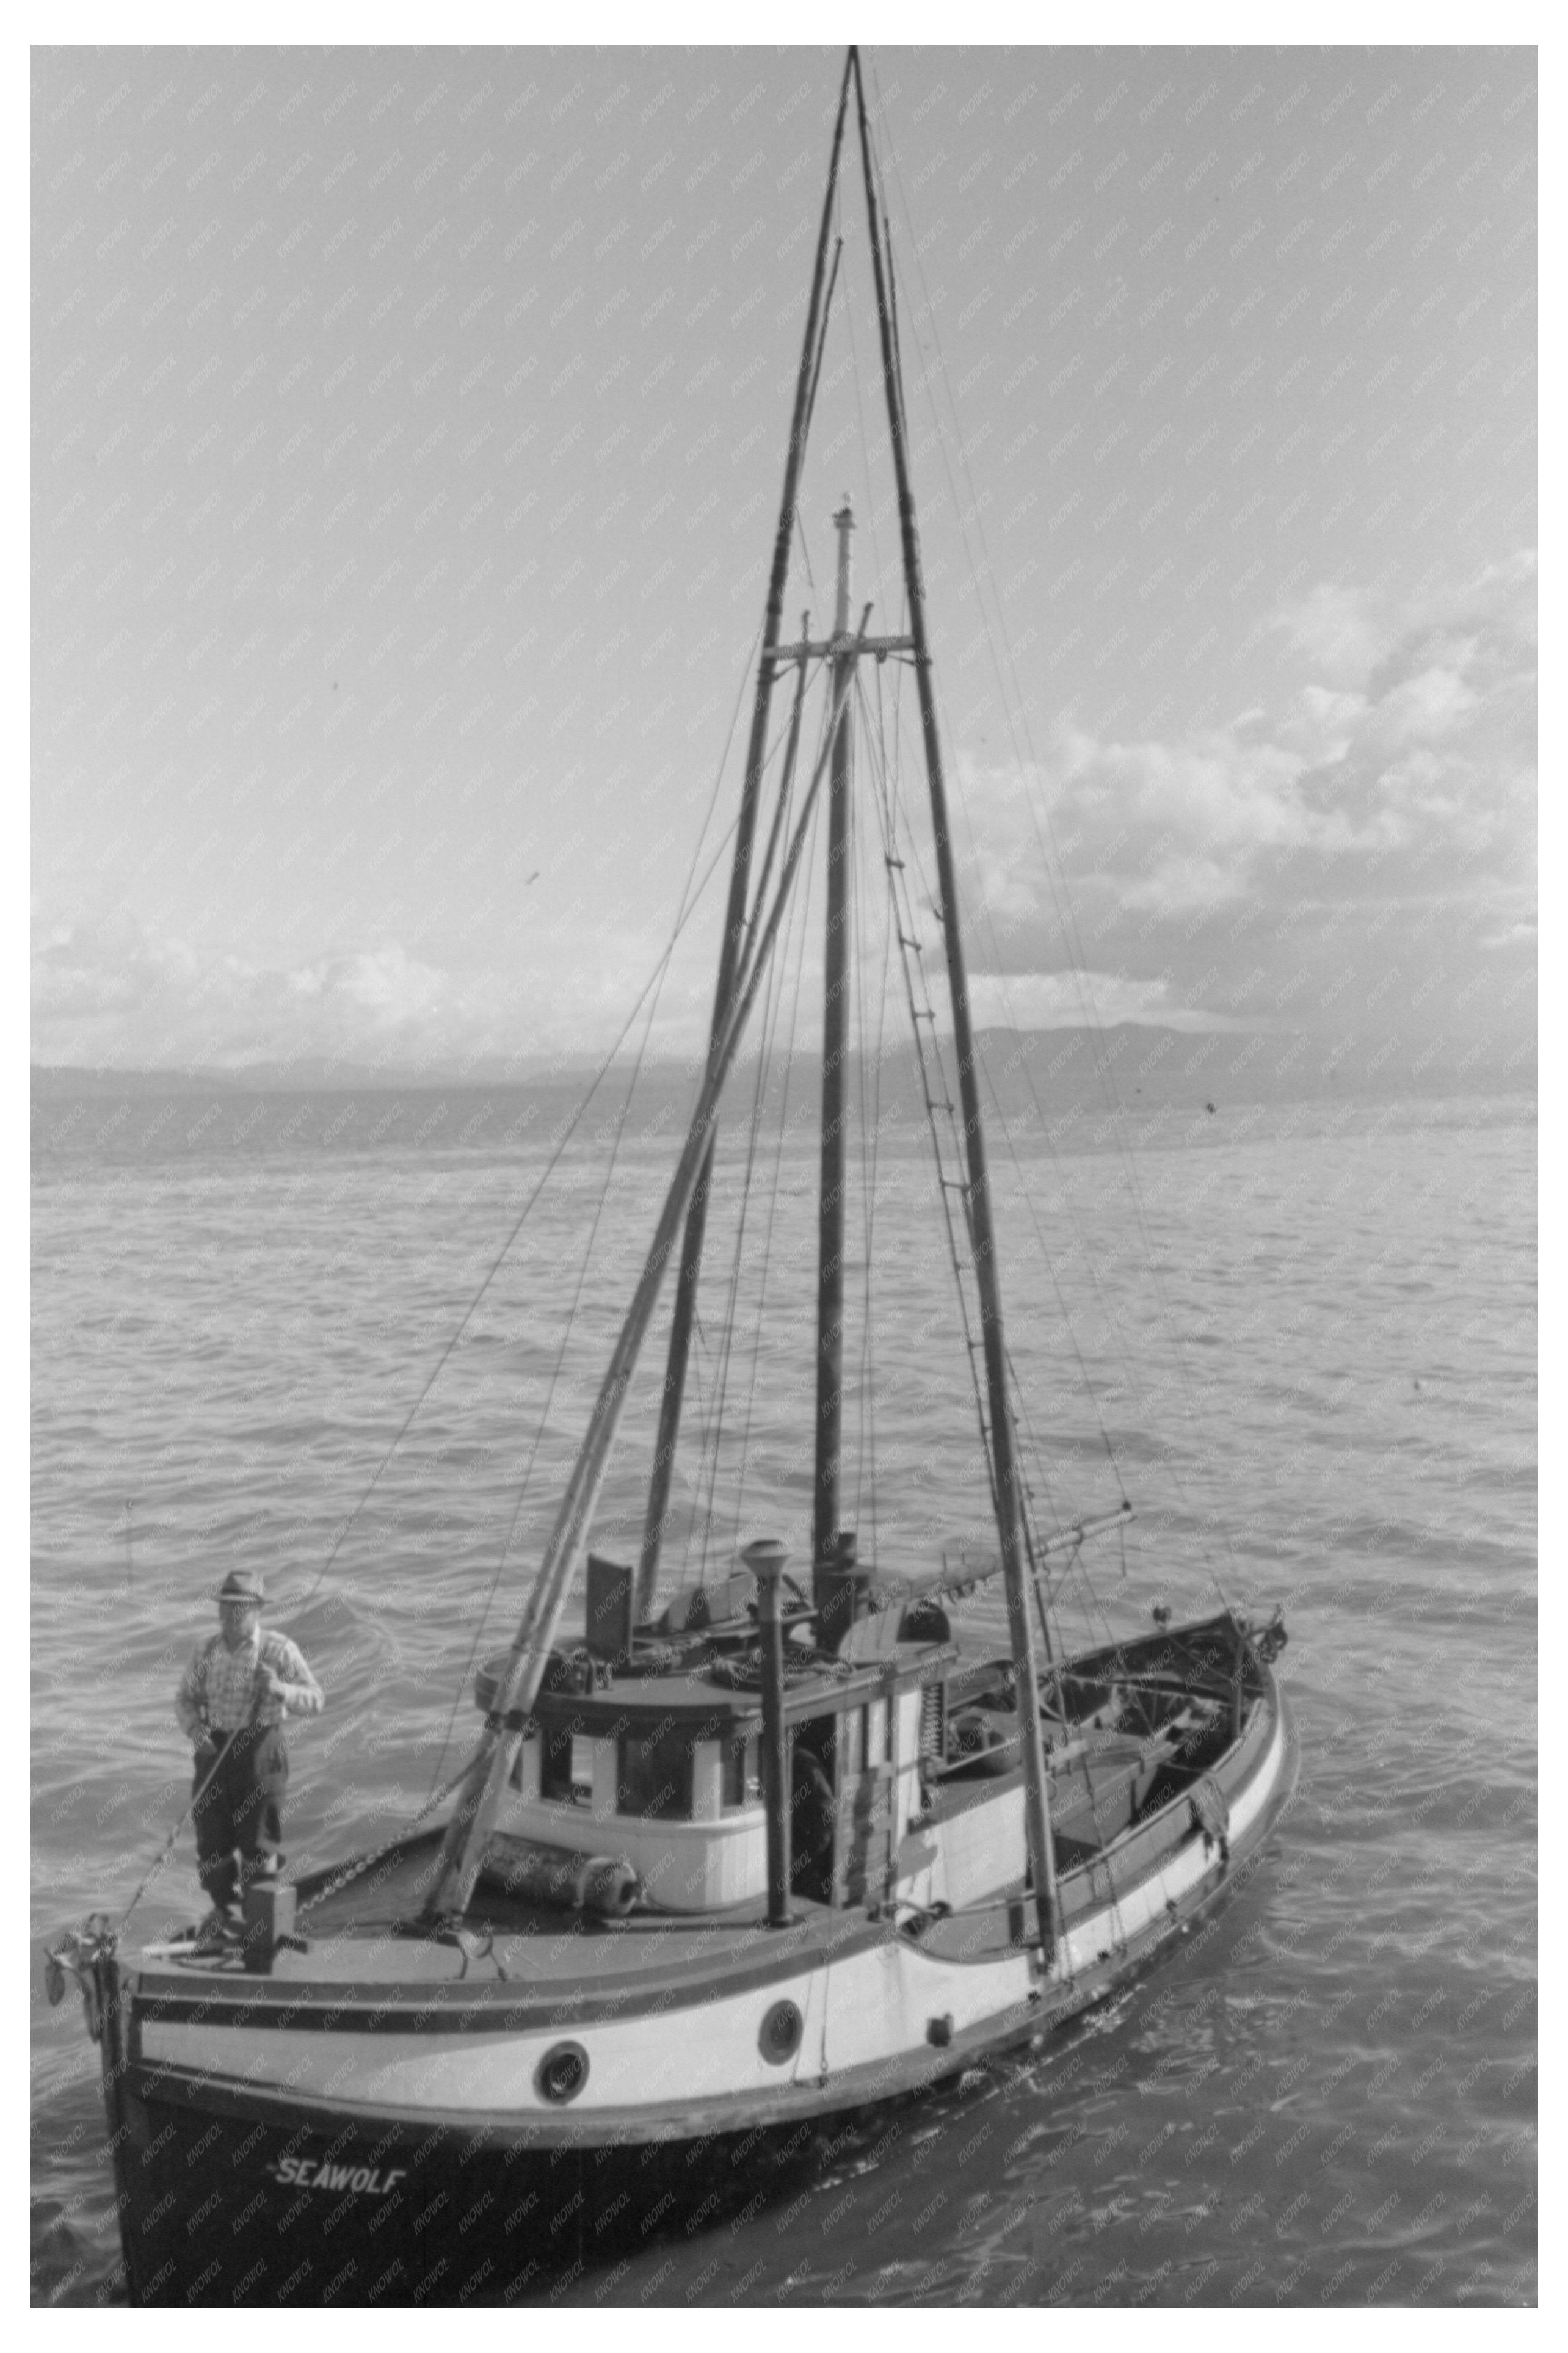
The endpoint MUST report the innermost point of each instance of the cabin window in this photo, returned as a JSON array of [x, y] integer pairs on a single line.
[[654, 1774], [566, 1764], [742, 1779]]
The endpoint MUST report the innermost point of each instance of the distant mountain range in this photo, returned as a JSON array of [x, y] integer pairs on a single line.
[[1043, 1071]]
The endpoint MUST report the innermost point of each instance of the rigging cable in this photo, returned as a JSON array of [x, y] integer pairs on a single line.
[[804, 914], [910, 961], [709, 1415], [1088, 1385], [687, 901], [877, 762], [714, 1424], [690, 900], [692, 893], [713, 1420], [816, 376], [871, 1167], [870, 1162], [975, 570], [542, 1421], [1051, 862]]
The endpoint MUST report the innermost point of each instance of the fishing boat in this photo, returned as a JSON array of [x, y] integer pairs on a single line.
[[727, 1874]]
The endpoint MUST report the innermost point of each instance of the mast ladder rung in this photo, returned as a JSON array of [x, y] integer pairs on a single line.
[[924, 1014], [896, 862], [905, 942]]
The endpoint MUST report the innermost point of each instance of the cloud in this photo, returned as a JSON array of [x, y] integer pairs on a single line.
[[1360, 855], [1073, 1000], [1379, 822], [111, 995]]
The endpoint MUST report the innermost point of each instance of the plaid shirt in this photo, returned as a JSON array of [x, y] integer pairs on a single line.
[[218, 1687]]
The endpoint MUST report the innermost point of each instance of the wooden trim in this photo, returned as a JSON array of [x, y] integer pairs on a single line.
[[273, 2005]]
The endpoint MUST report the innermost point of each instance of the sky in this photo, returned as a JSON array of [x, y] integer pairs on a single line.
[[407, 437]]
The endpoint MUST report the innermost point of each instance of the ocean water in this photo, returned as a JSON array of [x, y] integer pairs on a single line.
[[1300, 1337]]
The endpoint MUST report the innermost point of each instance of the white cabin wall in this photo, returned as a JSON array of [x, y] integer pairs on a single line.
[[696, 1866], [605, 1777], [707, 1781], [906, 1799]]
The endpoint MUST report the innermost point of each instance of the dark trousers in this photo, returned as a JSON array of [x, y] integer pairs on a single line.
[[238, 1816]]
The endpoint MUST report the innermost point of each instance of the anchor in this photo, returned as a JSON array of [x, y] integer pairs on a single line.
[[86, 1953]]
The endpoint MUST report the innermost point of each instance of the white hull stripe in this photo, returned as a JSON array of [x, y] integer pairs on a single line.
[[1106, 1931], [871, 2007]]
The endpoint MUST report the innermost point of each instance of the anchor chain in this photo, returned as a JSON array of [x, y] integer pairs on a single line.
[[363, 1863]]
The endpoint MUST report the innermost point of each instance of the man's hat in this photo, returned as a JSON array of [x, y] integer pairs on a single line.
[[242, 1585]]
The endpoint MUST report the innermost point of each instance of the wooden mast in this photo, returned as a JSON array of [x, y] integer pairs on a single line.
[[836, 1039], [735, 913], [1042, 1854]]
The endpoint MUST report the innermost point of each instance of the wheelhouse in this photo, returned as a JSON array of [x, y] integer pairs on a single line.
[[652, 1755]]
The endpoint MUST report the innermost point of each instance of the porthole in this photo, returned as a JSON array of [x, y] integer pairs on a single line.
[[561, 2073], [783, 2027]]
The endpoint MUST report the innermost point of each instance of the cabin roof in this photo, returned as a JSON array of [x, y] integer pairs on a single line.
[[701, 1696]]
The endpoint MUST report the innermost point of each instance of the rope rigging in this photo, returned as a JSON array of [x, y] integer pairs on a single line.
[[936, 1101], [711, 1415], [790, 738], [1015, 714], [871, 1164], [653, 985], [772, 1198], [541, 1422]]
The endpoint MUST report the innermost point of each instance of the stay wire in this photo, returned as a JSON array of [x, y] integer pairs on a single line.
[[982, 574], [764, 1068], [1051, 861], [871, 1162], [910, 962], [865, 438], [799, 919], [1002, 1125], [690, 899], [876, 758], [726, 1336], [692, 893], [773, 992], [1014, 710], [655, 979], [707, 1410], [686, 904], [1085, 1254], [542, 1423]]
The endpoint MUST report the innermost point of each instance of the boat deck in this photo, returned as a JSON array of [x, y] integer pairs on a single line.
[[365, 1933]]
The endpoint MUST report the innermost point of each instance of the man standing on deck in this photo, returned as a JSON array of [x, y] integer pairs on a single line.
[[232, 1698]]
